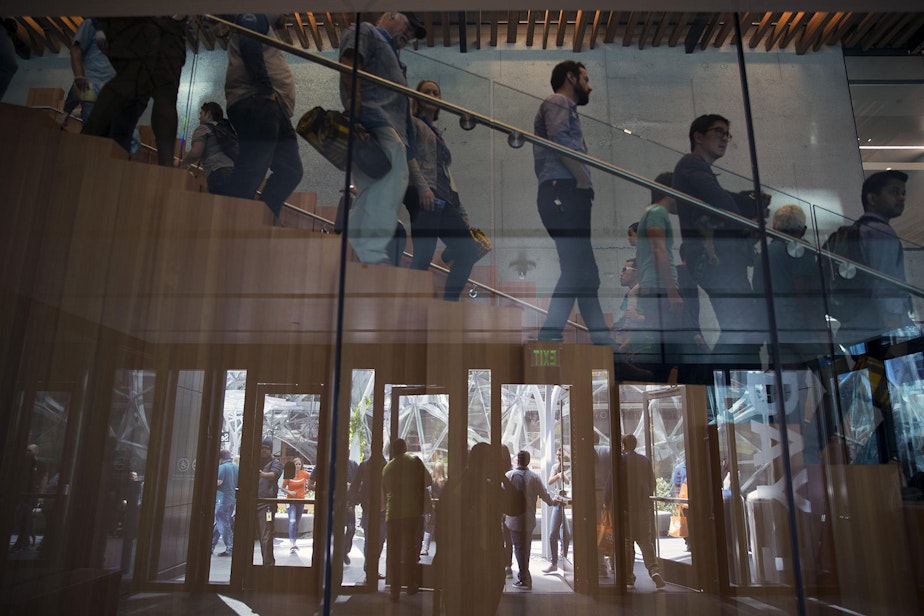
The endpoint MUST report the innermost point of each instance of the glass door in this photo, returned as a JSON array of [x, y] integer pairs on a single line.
[[282, 473]]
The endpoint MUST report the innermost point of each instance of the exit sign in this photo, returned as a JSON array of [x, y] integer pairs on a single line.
[[545, 358]]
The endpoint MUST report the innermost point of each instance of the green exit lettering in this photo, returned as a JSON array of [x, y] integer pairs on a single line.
[[545, 358]]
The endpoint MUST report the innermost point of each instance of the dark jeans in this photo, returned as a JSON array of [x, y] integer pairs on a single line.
[[446, 222], [559, 525], [740, 317], [266, 533], [125, 97], [403, 555], [219, 181], [568, 223], [350, 531], [372, 550], [522, 541], [640, 532], [267, 142], [223, 527]]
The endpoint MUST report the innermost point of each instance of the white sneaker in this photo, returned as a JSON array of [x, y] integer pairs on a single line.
[[552, 568]]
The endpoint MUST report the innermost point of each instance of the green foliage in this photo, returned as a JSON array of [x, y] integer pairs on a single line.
[[663, 489], [357, 425]]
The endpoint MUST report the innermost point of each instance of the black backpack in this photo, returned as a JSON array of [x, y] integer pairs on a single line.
[[848, 289], [227, 138]]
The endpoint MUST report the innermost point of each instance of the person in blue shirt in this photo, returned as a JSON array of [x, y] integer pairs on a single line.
[[225, 500], [564, 200], [387, 115]]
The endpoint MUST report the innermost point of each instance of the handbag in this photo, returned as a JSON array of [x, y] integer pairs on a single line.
[[606, 539], [328, 132], [678, 526]]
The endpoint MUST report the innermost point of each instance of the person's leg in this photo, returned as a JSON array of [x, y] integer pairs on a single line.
[[562, 300], [554, 529], [223, 526], [629, 547], [393, 559], [423, 234], [508, 549], [286, 166], [565, 534], [410, 553], [256, 128], [292, 510], [266, 536], [8, 61], [644, 537], [349, 534], [219, 181], [454, 231], [520, 547], [374, 212], [164, 120]]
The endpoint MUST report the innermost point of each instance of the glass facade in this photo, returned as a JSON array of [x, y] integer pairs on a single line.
[[725, 404]]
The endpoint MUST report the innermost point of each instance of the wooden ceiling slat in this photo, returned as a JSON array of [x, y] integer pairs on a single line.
[[492, 16], [478, 31], [765, 26], [55, 31], [885, 22], [562, 28], [649, 20], [595, 29], [900, 22], [727, 26], [612, 22], [792, 31], [447, 31], [711, 24], [629, 33], [580, 27], [67, 26], [778, 30], [531, 27], [869, 20], [662, 29], [513, 23], [333, 34], [428, 24], [901, 38], [300, 33], [35, 37], [546, 28], [835, 28], [72, 23], [315, 33], [678, 30], [813, 31]]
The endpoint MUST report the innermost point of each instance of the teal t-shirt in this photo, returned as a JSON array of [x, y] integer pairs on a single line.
[[656, 216]]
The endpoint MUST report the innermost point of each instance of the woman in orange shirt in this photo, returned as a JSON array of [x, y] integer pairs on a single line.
[[295, 488]]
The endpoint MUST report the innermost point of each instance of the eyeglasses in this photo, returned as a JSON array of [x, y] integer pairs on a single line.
[[721, 132], [628, 268]]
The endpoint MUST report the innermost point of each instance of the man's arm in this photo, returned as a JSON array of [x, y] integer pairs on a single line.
[[346, 80], [252, 52], [77, 66], [194, 155]]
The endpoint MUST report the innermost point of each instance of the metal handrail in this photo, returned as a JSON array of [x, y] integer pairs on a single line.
[[471, 118], [330, 223]]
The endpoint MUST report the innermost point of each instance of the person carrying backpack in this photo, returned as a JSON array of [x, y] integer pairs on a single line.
[[521, 526], [868, 306], [215, 145]]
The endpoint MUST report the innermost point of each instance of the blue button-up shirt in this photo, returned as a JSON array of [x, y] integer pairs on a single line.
[[557, 120]]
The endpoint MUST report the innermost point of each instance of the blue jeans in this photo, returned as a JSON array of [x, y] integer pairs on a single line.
[[565, 212], [223, 527], [295, 516], [447, 222], [559, 524], [522, 541], [267, 142], [374, 212]]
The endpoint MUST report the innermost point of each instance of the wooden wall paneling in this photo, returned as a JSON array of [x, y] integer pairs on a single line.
[[546, 28], [531, 21], [646, 28], [765, 26], [513, 23], [493, 21], [869, 536], [315, 33], [813, 31], [595, 28], [868, 21], [663, 21], [300, 30], [612, 23], [911, 28], [580, 27]]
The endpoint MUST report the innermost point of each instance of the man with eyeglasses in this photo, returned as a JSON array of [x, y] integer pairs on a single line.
[[720, 251], [386, 114]]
